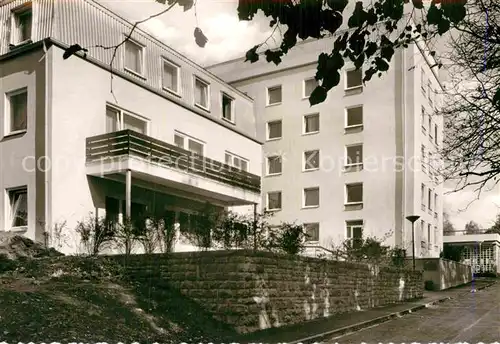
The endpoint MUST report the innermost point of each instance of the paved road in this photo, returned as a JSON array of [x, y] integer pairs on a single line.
[[472, 318]]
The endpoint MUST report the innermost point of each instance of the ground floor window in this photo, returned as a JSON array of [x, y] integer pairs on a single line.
[[19, 207]]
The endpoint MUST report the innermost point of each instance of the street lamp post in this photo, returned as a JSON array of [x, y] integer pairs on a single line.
[[412, 219]]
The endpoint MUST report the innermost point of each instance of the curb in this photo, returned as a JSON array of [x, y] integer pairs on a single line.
[[365, 324]]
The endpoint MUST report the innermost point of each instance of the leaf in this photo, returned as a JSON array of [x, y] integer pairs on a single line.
[[371, 49], [455, 10], [381, 64], [358, 16], [187, 4], [434, 15], [337, 5], [273, 56], [252, 55], [73, 50], [200, 38], [318, 95], [443, 26], [419, 4], [496, 98]]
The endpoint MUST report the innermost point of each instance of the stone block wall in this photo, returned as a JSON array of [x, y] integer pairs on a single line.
[[257, 290]]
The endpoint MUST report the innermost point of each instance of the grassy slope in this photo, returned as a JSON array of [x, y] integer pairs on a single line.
[[83, 305]]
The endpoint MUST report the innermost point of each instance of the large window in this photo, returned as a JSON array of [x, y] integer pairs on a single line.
[[354, 78], [309, 86], [22, 23], [311, 123], [171, 77], [274, 130], [201, 93], [274, 95], [274, 200], [117, 119], [311, 160], [274, 165], [354, 193], [311, 197], [134, 59], [17, 106], [354, 116], [189, 143], [18, 207], [312, 231], [354, 155], [236, 161]]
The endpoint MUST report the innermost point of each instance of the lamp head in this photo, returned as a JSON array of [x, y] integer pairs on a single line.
[[412, 218]]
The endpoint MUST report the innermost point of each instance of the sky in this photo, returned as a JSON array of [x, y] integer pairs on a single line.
[[228, 38]]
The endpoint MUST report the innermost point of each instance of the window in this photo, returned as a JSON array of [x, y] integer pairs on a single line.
[[312, 231], [354, 155], [274, 200], [422, 81], [311, 123], [422, 119], [236, 161], [274, 95], [19, 207], [422, 226], [429, 236], [354, 232], [195, 147], [422, 195], [201, 93], [311, 197], [422, 152], [227, 107], [171, 77], [436, 134], [274, 165], [429, 91], [191, 144], [112, 207], [429, 199], [430, 127], [311, 160], [309, 86], [18, 110], [274, 130], [117, 119], [354, 193], [179, 141], [435, 202], [354, 78], [134, 57], [22, 23], [354, 116]]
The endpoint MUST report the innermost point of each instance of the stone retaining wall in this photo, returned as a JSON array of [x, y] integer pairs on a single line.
[[257, 290]]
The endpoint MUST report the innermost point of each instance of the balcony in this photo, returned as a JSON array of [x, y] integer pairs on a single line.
[[155, 161]]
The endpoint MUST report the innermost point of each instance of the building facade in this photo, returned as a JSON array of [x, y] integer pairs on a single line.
[[160, 134], [358, 163], [481, 251]]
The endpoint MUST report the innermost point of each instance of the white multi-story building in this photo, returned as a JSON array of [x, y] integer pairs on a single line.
[[361, 161], [162, 135]]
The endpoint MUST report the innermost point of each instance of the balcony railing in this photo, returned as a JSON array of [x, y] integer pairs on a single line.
[[131, 143]]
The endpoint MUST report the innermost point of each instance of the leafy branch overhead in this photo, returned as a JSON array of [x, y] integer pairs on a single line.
[[370, 35]]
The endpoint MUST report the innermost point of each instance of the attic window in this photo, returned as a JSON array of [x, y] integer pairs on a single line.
[[22, 20]]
